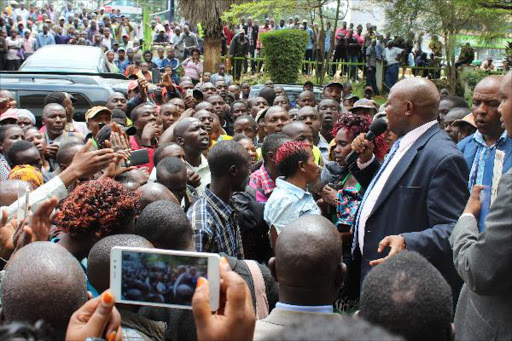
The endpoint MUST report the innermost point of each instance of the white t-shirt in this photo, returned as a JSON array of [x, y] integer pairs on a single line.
[[390, 55]]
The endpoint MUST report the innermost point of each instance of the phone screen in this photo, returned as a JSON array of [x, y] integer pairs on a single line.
[[160, 278]]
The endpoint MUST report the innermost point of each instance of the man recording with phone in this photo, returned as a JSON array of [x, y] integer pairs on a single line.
[[145, 120], [423, 181]]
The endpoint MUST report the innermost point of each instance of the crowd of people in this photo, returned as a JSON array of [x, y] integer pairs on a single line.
[[177, 48], [265, 189], [409, 240]]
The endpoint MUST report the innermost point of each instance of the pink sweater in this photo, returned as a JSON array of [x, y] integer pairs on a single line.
[[193, 70]]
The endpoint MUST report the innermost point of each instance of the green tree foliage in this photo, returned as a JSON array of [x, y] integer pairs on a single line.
[[447, 18], [284, 53], [271, 8], [207, 13]]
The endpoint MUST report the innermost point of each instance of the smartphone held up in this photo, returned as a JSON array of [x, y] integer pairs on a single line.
[[164, 278]]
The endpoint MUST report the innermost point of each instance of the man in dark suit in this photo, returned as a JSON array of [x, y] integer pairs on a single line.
[[413, 200], [251, 32], [484, 260]]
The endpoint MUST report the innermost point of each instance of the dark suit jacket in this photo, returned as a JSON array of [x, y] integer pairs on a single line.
[[484, 261], [422, 200]]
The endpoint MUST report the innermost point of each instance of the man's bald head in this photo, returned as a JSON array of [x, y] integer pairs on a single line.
[[308, 261], [274, 109], [485, 103], [98, 261], [457, 114], [490, 82], [52, 107], [412, 102], [153, 191], [182, 125], [44, 281], [204, 106]]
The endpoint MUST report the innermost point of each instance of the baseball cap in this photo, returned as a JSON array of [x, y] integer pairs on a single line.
[[364, 104], [95, 111], [351, 96], [333, 83], [368, 88], [468, 119], [261, 114], [9, 114], [121, 49]]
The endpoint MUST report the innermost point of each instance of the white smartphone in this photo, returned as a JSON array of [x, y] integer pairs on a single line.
[[162, 278]]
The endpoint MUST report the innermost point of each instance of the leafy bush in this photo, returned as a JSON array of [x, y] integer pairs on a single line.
[[284, 51], [473, 77]]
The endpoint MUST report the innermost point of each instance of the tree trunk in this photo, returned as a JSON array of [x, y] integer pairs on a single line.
[[212, 51]]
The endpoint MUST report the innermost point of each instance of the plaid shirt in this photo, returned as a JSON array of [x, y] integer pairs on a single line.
[[262, 183], [215, 226]]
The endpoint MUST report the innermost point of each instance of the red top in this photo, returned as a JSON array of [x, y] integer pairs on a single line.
[[151, 151], [228, 33]]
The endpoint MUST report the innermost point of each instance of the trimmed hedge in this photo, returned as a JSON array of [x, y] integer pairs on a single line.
[[284, 52]]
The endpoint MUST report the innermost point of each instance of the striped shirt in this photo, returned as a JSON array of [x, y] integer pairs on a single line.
[[215, 226]]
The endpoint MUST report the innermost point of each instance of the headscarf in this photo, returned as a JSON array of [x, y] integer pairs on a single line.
[[27, 173], [28, 114]]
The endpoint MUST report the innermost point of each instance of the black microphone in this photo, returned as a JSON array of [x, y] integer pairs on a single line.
[[376, 128]]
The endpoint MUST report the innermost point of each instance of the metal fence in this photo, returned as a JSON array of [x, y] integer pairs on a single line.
[[350, 71]]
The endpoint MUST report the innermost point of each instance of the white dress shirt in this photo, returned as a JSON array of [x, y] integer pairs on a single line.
[[204, 172], [405, 143]]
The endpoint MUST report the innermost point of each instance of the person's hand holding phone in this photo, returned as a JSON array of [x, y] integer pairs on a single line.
[[87, 163], [97, 318], [235, 319], [115, 168]]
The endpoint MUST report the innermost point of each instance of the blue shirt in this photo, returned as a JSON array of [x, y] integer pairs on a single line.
[[306, 308], [43, 40], [309, 46], [327, 44], [158, 62], [378, 50], [485, 169], [174, 64], [62, 39], [286, 203]]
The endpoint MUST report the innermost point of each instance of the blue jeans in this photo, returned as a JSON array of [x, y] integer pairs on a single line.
[[391, 76]]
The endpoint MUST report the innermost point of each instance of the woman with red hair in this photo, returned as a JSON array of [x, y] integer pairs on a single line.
[[290, 200], [342, 190], [94, 210]]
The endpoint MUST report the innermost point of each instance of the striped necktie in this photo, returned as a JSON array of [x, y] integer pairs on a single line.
[[387, 159]]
